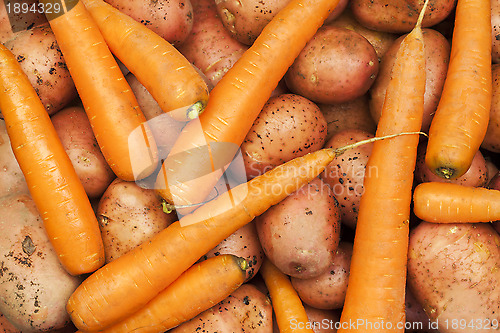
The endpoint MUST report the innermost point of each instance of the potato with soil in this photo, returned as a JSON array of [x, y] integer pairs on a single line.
[[34, 287], [129, 215], [337, 65], [11, 176], [171, 19], [327, 291], [495, 31], [288, 126], [437, 55], [399, 16], [345, 174], [73, 128], [301, 234], [453, 272], [37, 52], [14, 19], [491, 140]]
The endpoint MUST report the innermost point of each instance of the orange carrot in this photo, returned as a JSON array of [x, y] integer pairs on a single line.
[[236, 101], [53, 183], [288, 308], [451, 203], [196, 290], [118, 124], [375, 298], [461, 119], [168, 76]]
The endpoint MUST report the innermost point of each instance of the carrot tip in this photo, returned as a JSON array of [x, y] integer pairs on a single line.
[[195, 110], [242, 263], [446, 173]]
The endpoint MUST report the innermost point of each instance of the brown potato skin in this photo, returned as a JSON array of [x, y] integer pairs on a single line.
[[327, 291], [453, 273], [6, 326], [171, 19], [11, 176], [73, 128], [129, 215], [491, 140], [34, 285], [288, 126], [495, 31], [301, 233], [399, 16], [345, 174], [39, 56], [437, 54], [14, 23], [323, 321], [337, 65]]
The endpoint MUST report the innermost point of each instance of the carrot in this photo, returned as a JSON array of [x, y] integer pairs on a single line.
[[453, 203], [196, 290], [168, 76], [375, 297], [53, 183], [236, 101], [142, 273], [288, 308], [461, 119], [117, 121]]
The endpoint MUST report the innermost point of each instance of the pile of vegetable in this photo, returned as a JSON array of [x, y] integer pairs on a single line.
[[250, 166]]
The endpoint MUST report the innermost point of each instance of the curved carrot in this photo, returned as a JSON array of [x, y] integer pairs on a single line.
[[236, 101], [168, 76], [196, 290], [452, 203], [53, 183], [459, 125], [375, 297], [288, 308], [118, 124]]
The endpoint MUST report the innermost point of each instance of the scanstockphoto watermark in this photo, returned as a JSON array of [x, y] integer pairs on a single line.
[[359, 324]]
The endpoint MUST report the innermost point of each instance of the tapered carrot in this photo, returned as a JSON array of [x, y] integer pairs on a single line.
[[236, 101], [375, 298], [117, 121], [461, 119], [53, 183], [288, 308], [450, 203], [168, 76], [142, 273]]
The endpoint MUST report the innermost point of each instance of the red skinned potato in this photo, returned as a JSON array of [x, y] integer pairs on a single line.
[[288, 126], [37, 52], [322, 321], [327, 291], [418, 321], [34, 287], [129, 215], [73, 128], [453, 273], [11, 176], [210, 46], [437, 54], [337, 65], [14, 20], [171, 19], [301, 234], [399, 16], [345, 174], [491, 140]]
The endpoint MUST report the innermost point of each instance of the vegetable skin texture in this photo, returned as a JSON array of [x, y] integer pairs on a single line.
[[52, 181]]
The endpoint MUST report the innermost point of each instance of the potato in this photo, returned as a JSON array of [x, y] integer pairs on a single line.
[[323, 321], [15, 20], [37, 52], [399, 16], [6, 326], [381, 41], [171, 19], [210, 46], [495, 31], [301, 234], [476, 175], [342, 5], [245, 310], [337, 65], [491, 140], [437, 54], [34, 287], [327, 291], [453, 272], [129, 215], [416, 319], [345, 174], [11, 175], [245, 19], [288, 126], [74, 131], [242, 243]]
